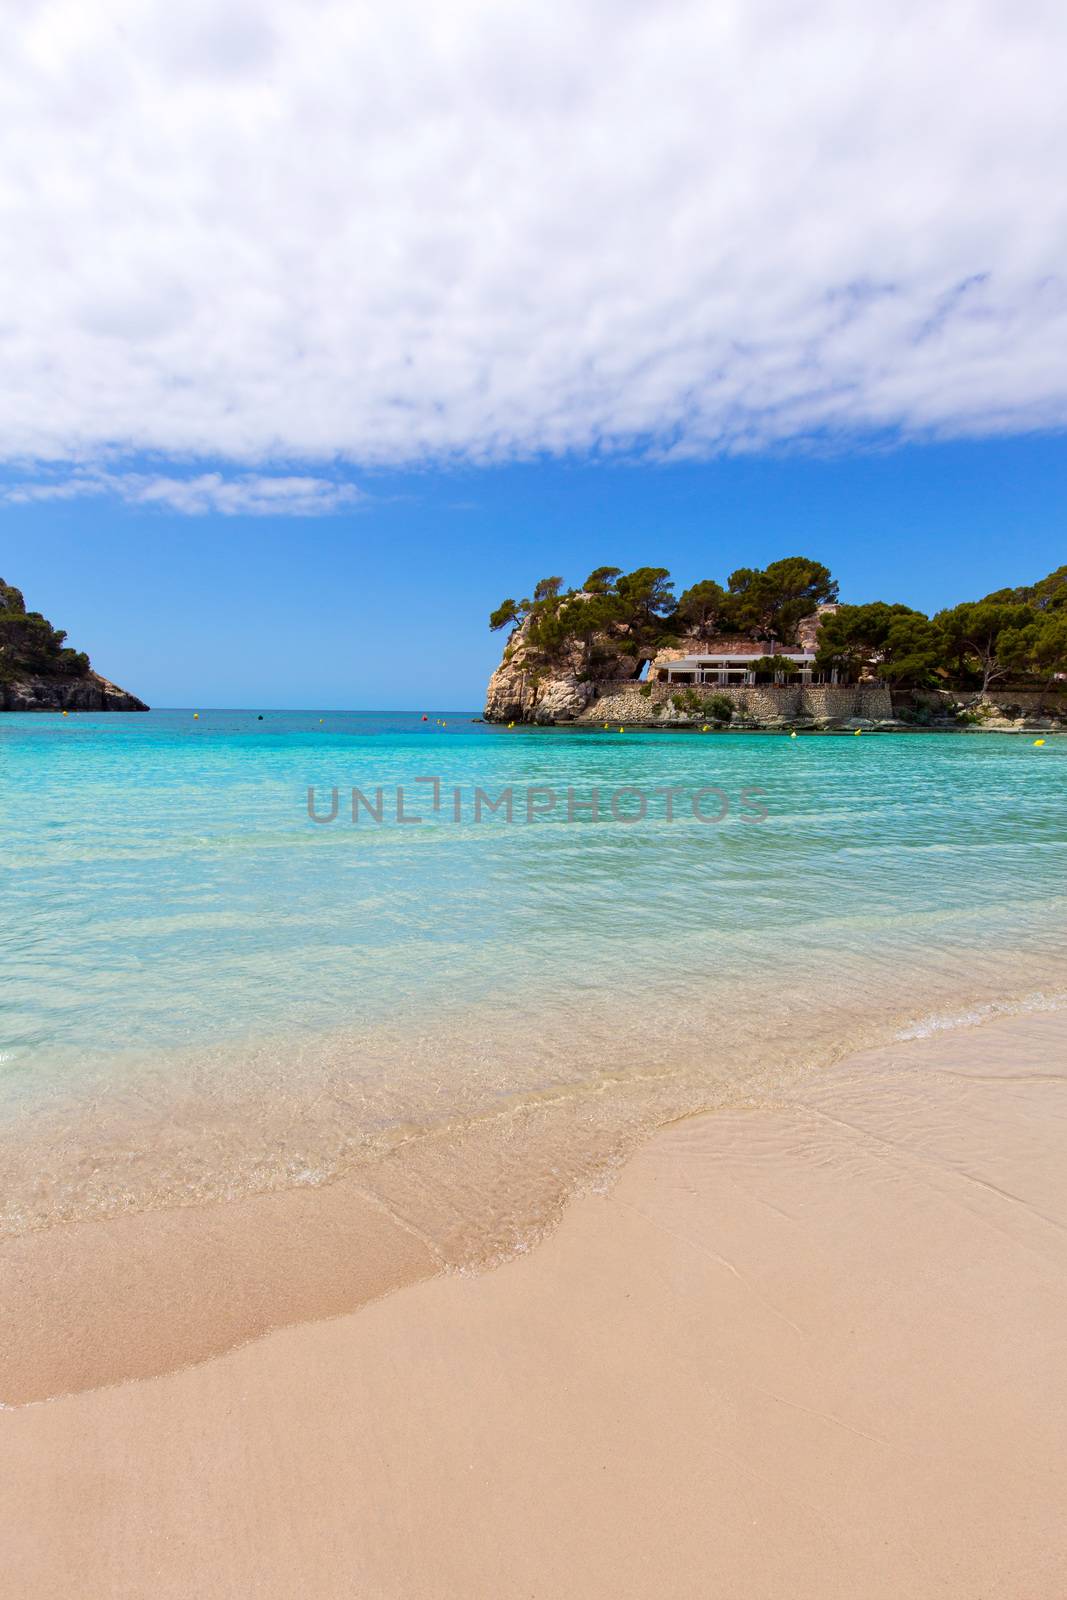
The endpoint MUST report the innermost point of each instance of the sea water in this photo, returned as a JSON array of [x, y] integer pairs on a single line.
[[217, 978]]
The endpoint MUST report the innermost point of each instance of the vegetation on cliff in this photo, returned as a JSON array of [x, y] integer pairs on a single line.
[[29, 645], [636, 613], [1019, 633]]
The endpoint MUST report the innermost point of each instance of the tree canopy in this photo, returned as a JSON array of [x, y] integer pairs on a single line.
[[975, 635], [772, 666], [904, 645], [638, 610], [704, 608], [29, 645], [629, 611], [769, 603]]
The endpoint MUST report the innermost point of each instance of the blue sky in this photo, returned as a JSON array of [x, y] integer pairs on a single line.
[[384, 604]]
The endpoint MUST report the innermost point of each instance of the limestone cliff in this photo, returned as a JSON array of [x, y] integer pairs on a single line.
[[525, 688], [87, 692]]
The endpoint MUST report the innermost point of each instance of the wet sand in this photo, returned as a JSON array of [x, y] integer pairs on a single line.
[[812, 1350]]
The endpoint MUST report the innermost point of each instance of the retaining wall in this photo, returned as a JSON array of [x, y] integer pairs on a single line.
[[771, 702], [1004, 703]]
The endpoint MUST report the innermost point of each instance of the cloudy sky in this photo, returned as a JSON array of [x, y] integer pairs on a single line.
[[286, 260]]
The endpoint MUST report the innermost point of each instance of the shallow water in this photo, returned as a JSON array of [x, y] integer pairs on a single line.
[[205, 993]]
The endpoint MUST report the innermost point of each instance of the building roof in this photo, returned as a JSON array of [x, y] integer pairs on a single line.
[[723, 658]]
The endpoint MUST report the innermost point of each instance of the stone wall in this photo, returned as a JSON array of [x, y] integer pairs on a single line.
[[841, 701], [764, 703], [1004, 704]]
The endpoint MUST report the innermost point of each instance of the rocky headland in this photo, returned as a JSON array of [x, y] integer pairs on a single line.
[[618, 649], [40, 672]]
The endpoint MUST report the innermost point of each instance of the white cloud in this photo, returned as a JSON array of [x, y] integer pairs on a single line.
[[343, 230], [244, 494]]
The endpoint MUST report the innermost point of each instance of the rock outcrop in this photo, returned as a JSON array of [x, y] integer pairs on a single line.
[[89, 692], [40, 672], [526, 689]]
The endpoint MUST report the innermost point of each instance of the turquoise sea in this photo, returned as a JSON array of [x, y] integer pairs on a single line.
[[204, 991]]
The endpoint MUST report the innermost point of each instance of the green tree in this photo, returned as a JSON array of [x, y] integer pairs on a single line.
[[1051, 593], [508, 611], [771, 601], [720, 708], [703, 607], [587, 616], [894, 641], [972, 634], [912, 651], [1048, 594], [646, 599], [602, 580], [1038, 648], [548, 629], [773, 667]]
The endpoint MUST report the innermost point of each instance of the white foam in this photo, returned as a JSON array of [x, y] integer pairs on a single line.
[[974, 1016]]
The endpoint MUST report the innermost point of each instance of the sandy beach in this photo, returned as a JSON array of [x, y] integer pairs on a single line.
[[814, 1350]]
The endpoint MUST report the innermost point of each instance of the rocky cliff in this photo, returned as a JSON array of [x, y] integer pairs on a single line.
[[526, 689], [38, 670], [88, 692]]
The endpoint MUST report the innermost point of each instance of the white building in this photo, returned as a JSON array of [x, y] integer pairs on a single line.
[[724, 667]]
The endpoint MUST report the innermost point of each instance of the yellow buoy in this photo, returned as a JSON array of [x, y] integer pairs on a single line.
[[622, 730], [1036, 741], [858, 732], [605, 726], [793, 734], [196, 716], [65, 713]]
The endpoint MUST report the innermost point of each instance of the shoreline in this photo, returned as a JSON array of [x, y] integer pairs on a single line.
[[805, 1349], [696, 724], [1052, 725], [115, 1206]]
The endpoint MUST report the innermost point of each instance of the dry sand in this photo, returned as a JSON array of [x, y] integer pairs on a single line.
[[811, 1351]]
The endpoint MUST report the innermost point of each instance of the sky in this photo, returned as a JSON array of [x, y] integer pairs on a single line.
[[326, 326]]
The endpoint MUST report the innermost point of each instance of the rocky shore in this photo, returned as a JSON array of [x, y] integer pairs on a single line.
[[89, 692]]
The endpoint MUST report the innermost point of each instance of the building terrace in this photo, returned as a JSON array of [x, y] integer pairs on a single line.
[[722, 665]]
